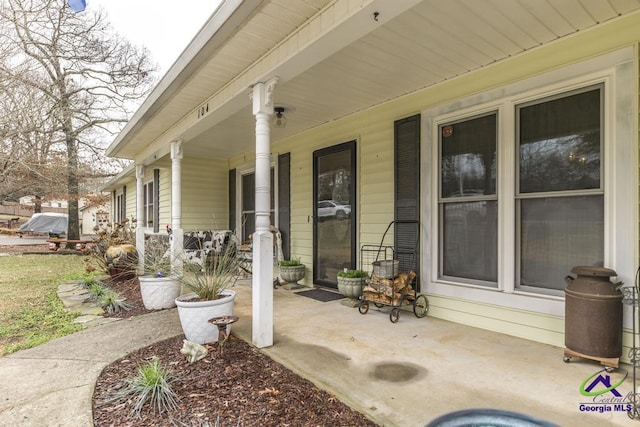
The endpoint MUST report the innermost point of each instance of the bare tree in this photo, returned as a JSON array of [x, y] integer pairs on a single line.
[[88, 79], [29, 160]]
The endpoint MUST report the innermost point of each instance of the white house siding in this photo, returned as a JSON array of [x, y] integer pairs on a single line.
[[373, 130], [164, 204], [204, 194], [130, 198]]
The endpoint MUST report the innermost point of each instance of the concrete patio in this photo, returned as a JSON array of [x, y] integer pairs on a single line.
[[408, 373]]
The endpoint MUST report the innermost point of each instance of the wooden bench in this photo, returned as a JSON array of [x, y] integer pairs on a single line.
[[54, 244]]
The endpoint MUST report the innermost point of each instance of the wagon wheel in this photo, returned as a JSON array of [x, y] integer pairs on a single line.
[[378, 304], [363, 307], [394, 315], [421, 306]]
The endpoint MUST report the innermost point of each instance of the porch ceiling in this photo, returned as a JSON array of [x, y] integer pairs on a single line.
[[431, 42]]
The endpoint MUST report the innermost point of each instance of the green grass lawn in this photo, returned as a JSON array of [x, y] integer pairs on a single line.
[[30, 311]]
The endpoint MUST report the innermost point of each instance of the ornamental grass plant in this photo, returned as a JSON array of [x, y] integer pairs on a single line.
[[218, 272], [152, 383]]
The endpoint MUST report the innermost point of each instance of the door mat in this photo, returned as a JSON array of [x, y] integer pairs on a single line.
[[321, 295]]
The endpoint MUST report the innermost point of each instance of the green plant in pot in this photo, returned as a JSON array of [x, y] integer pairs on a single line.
[[209, 296], [350, 283], [158, 287], [291, 271]]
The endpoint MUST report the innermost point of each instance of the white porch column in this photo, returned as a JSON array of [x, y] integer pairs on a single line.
[[140, 215], [262, 331], [177, 235]]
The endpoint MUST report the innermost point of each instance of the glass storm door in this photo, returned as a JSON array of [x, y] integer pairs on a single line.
[[334, 207]]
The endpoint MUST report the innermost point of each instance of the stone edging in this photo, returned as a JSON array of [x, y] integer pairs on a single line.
[[75, 297]]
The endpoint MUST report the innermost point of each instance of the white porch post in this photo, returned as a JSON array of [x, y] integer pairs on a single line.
[[140, 215], [176, 239], [262, 331]]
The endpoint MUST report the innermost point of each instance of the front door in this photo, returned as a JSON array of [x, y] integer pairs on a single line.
[[334, 207]]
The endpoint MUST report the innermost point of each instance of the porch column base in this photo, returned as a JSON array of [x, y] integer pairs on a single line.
[[262, 288], [176, 242]]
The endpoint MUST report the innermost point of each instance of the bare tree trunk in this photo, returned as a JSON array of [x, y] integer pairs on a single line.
[[73, 229]]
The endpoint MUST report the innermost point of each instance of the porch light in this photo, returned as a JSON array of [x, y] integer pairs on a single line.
[[279, 120]]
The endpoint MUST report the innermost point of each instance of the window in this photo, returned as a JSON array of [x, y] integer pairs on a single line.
[[558, 199], [242, 217], [148, 203], [563, 185], [119, 205], [468, 200], [120, 208], [560, 196], [247, 202]]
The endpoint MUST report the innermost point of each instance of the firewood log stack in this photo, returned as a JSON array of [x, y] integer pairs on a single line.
[[390, 291]]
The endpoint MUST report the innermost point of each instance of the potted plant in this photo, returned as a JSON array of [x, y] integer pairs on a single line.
[[209, 297], [291, 271], [121, 261], [113, 251], [158, 288], [350, 283]]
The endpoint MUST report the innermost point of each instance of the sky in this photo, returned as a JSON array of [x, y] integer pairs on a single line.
[[163, 27]]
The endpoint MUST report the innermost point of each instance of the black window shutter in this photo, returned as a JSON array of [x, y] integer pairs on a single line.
[[407, 193], [115, 206], [156, 200], [232, 200], [123, 211], [284, 201]]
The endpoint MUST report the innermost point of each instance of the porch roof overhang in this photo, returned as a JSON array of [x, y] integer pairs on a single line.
[[334, 58], [116, 181]]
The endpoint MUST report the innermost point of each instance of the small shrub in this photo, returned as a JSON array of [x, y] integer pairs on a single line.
[[352, 273], [152, 383], [95, 287], [290, 263], [111, 301]]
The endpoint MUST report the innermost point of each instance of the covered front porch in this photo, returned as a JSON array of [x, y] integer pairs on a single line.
[[349, 76], [409, 373]]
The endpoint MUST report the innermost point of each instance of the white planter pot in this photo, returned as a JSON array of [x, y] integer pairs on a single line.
[[350, 287], [195, 316], [292, 274], [159, 292]]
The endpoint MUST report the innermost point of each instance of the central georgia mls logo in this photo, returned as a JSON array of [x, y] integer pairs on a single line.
[[604, 383], [604, 393]]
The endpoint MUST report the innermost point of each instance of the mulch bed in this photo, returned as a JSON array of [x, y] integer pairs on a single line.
[[240, 387]]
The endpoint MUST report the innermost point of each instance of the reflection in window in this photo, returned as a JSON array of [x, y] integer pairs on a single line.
[[560, 151], [468, 203], [468, 160], [560, 144]]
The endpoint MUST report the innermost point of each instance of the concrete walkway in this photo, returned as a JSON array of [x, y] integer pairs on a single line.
[[52, 384], [404, 374]]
